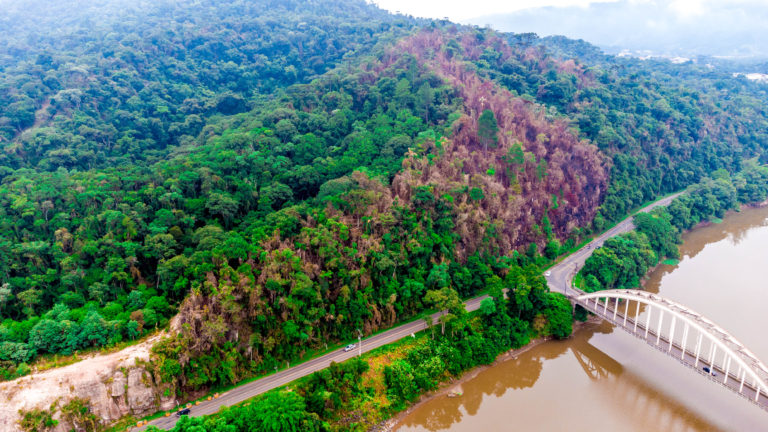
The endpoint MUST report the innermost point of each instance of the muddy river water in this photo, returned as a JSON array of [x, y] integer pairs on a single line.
[[603, 379]]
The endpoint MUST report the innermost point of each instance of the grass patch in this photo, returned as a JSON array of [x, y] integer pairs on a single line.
[[377, 407], [578, 281], [716, 220], [125, 423], [671, 262]]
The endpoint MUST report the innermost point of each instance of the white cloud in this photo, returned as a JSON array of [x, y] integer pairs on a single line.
[[688, 8], [463, 10]]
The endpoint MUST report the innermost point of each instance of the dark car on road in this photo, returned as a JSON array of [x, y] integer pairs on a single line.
[[709, 371], [183, 412]]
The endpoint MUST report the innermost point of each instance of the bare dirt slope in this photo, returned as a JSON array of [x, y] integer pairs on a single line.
[[113, 384]]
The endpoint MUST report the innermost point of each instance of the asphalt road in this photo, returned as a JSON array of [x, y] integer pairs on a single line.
[[558, 281], [253, 388], [560, 276]]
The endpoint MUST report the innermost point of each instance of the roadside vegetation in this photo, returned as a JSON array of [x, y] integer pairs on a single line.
[[363, 392], [624, 260]]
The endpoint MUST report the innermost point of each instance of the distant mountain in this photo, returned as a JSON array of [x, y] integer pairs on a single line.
[[652, 27]]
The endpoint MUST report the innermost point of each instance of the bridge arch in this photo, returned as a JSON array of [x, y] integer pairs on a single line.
[[742, 372]]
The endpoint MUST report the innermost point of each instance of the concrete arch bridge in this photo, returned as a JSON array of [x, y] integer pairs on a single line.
[[685, 335]]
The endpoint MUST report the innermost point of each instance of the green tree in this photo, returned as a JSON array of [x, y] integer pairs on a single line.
[[487, 306], [487, 129], [160, 246], [93, 330], [401, 386], [425, 98], [282, 412], [559, 313], [222, 205], [447, 301], [661, 234]]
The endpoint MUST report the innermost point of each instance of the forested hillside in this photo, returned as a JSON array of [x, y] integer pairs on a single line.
[[86, 85], [665, 126], [454, 216], [109, 127], [280, 174]]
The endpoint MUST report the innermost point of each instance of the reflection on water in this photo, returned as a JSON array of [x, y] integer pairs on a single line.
[[517, 373], [722, 274], [608, 380], [733, 230], [517, 392]]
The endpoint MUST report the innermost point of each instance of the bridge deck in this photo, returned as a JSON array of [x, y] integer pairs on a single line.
[[688, 359]]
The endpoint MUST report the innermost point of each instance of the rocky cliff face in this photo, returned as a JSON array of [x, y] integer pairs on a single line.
[[114, 385]]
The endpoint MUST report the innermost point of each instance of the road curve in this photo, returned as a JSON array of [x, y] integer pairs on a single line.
[[558, 281]]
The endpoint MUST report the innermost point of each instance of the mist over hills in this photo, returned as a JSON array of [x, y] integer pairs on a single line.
[[720, 29]]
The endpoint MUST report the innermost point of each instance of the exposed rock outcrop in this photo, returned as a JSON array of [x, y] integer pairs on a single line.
[[114, 385], [140, 392]]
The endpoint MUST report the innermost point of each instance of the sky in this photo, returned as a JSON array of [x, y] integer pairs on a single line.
[[462, 10]]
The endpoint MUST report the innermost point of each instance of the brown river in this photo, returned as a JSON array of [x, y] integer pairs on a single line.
[[604, 379]]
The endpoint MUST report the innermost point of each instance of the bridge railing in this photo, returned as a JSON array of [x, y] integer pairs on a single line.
[[748, 376]]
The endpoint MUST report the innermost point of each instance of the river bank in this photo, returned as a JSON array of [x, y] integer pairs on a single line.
[[704, 224], [454, 386], [741, 208]]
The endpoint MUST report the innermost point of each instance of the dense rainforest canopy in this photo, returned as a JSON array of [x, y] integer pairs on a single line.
[[282, 173]]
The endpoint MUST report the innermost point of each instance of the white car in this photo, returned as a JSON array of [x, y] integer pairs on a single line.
[[548, 273], [349, 347]]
